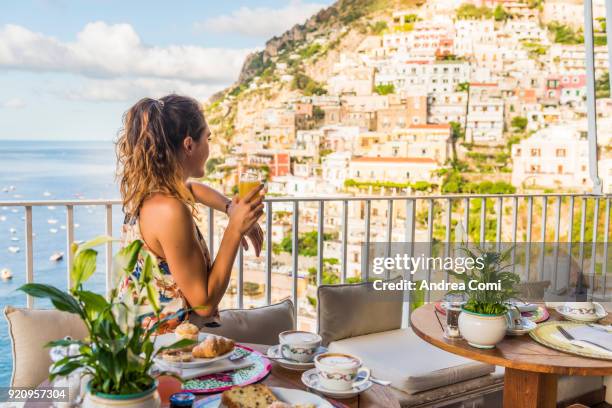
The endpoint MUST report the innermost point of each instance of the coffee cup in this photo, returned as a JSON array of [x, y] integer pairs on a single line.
[[299, 346], [338, 371], [514, 319]]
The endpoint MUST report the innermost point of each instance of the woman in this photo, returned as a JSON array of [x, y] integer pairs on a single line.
[[163, 144]]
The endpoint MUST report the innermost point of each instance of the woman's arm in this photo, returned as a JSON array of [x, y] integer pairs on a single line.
[[208, 196], [214, 199], [176, 238]]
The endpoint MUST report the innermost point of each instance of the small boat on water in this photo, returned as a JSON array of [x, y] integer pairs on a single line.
[[3, 218], [51, 207], [6, 274], [63, 226], [17, 196], [53, 230], [13, 249], [14, 239], [47, 194], [56, 256], [5, 208], [12, 230], [52, 221], [14, 210], [77, 225]]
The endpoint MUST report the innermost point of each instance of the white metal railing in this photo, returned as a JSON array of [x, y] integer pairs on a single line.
[[440, 211]]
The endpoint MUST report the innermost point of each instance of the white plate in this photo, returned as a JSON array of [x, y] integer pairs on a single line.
[[528, 326], [287, 395], [274, 352], [600, 313], [310, 379], [170, 338]]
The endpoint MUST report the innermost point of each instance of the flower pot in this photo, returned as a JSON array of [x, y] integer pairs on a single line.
[[482, 330], [145, 399]]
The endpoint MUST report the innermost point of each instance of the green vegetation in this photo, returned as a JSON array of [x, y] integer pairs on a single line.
[[311, 50], [384, 89], [499, 14], [212, 163], [417, 186], [535, 49], [602, 86], [454, 183], [519, 123], [307, 243], [564, 34], [463, 87], [379, 27], [468, 11], [307, 85]]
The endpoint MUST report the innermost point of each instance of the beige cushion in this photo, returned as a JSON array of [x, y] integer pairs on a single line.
[[411, 364], [259, 325], [30, 330], [356, 309]]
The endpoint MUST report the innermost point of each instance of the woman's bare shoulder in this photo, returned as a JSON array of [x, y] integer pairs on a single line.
[[161, 209]]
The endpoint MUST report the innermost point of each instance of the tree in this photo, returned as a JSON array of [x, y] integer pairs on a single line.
[[379, 27], [519, 123], [384, 89], [499, 14], [602, 86]]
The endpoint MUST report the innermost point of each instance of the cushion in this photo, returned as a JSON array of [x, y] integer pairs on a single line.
[[411, 364], [30, 330], [356, 309], [260, 325]]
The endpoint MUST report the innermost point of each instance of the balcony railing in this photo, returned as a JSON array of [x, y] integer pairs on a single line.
[[410, 218]]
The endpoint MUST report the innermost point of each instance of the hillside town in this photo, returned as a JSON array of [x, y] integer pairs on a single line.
[[443, 97]]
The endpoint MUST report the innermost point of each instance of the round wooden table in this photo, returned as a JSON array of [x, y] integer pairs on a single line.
[[532, 369]]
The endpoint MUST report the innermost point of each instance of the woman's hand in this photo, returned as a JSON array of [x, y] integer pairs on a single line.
[[255, 234], [245, 212]]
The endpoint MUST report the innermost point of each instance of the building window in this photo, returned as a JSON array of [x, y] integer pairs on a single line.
[[560, 169], [518, 152], [560, 152], [535, 152], [535, 168]]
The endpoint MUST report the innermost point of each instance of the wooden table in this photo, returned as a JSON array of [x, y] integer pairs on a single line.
[[532, 369], [375, 397]]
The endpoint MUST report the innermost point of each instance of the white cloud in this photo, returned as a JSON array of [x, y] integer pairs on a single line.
[[103, 50], [261, 21], [130, 89], [13, 103]]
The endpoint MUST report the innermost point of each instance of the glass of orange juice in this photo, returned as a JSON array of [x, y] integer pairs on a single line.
[[247, 182]]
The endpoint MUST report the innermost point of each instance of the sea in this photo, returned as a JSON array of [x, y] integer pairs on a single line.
[[50, 170]]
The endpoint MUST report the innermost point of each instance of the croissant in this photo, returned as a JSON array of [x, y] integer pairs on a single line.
[[213, 346]]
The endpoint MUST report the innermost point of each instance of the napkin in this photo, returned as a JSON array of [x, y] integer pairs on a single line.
[[578, 335], [588, 333], [212, 368]]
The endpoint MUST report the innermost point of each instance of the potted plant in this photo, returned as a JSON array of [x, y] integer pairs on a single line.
[[117, 356], [482, 321]]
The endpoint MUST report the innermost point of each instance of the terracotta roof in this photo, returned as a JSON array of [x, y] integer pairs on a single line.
[[444, 126], [482, 84], [393, 160]]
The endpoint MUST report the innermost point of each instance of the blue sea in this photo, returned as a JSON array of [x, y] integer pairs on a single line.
[[39, 170]]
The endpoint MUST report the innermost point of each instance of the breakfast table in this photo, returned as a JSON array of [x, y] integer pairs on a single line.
[[531, 369], [375, 397]]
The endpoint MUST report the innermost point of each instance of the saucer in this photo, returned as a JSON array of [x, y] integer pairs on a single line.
[[310, 379], [528, 326], [274, 352], [599, 314]]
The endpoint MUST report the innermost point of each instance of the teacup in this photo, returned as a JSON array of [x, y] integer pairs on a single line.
[[514, 318], [299, 346], [337, 371]]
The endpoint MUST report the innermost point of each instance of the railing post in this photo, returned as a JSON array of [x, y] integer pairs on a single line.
[[543, 236], [294, 258], [483, 221], [320, 239], [269, 215], [389, 235], [29, 278], [109, 249], [344, 239], [366, 258], [409, 238], [211, 232], [240, 283], [69, 241], [528, 240]]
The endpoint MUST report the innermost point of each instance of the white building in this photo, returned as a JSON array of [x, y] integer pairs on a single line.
[[334, 168], [293, 186], [433, 77], [554, 157], [340, 138], [447, 107], [485, 115], [394, 169], [469, 34]]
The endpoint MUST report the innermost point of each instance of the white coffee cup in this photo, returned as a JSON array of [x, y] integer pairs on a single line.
[[337, 371], [298, 345]]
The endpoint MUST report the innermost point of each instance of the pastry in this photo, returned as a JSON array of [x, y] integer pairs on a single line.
[[186, 330], [177, 356], [249, 396], [213, 346]]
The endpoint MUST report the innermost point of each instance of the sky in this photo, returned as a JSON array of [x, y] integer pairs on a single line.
[[69, 69]]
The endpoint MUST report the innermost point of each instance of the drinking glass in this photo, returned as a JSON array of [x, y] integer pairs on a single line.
[[247, 181], [453, 303]]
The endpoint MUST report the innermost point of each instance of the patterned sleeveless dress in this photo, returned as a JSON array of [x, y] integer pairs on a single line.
[[170, 296]]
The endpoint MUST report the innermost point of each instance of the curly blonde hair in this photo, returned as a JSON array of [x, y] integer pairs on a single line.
[[148, 149]]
